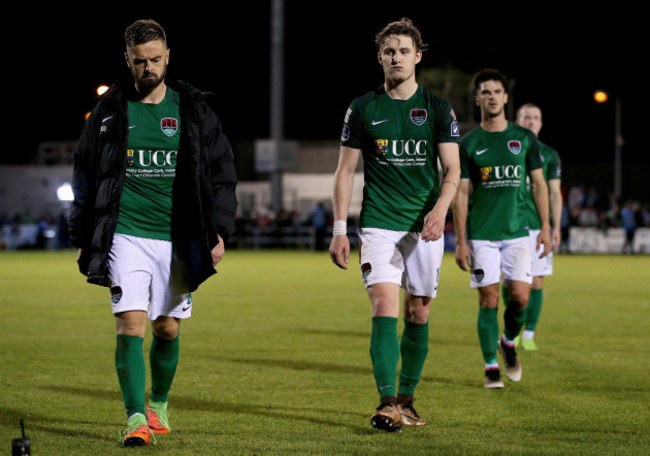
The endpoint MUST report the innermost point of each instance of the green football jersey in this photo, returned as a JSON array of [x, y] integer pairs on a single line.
[[552, 170], [398, 140], [497, 164], [154, 136]]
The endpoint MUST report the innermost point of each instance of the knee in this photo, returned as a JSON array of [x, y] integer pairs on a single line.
[[519, 297], [489, 299], [166, 328], [416, 309]]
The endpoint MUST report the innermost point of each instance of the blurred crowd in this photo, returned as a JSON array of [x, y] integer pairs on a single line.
[[583, 207]]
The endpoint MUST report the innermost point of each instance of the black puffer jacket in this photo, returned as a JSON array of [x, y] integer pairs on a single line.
[[204, 202]]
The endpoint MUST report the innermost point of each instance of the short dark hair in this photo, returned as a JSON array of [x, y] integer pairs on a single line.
[[489, 74], [143, 31], [404, 26]]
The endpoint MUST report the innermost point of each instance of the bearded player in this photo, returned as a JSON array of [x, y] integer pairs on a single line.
[[490, 224], [154, 186]]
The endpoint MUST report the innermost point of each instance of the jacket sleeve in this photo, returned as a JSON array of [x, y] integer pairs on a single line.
[[223, 180], [83, 185]]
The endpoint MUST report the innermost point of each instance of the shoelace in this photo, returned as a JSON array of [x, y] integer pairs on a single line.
[[158, 419]]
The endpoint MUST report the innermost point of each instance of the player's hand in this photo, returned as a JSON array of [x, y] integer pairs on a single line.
[[462, 256], [79, 253], [434, 226], [218, 251], [556, 239], [340, 251], [544, 238]]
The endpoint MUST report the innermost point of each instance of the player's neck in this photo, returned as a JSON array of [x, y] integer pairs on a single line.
[[156, 95], [401, 90], [494, 124]]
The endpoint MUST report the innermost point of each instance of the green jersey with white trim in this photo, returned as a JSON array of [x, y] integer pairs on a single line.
[[398, 140], [552, 170], [154, 136], [497, 164]]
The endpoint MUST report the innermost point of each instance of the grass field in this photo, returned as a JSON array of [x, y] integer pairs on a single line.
[[275, 361]]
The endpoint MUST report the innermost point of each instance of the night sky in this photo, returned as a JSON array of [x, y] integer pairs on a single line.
[[558, 59]]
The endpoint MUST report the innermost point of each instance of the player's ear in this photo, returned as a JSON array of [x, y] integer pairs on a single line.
[[126, 59]]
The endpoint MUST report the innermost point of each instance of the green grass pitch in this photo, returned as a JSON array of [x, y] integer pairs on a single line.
[[275, 361]]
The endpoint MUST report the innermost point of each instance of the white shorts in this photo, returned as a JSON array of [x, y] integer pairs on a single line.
[[488, 259], [401, 257], [541, 266], [139, 272]]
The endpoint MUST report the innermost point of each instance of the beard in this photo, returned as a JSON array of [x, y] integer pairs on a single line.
[[147, 84]]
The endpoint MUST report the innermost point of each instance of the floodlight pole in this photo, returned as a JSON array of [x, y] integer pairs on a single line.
[[277, 94], [618, 138]]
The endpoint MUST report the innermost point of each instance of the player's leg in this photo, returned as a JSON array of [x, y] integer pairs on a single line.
[[169, 305], [487, 327], [130, 280], [422, 262], [541, 267], [485, 274], [384, 352], [517, 272], [533, 311], [381, 269], [163, 359], [131, 373]]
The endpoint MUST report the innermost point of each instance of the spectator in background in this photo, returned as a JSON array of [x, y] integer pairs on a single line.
[[319, 222], [629, 222]]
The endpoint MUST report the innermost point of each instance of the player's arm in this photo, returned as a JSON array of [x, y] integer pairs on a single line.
[[434, 221], [540, 196], [343, 186], [460, 208], [556, 202]]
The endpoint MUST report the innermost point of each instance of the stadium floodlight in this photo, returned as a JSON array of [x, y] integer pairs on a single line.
[[64, 193], [102, 89], [601, 96]]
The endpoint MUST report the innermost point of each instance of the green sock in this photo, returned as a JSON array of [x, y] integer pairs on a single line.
[[414, 349], [131, 372], [505, 293], [384, 353], [163, 357], [534, 309], [513, 319], [488, 333]]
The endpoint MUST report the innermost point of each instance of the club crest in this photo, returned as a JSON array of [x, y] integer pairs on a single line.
[[169, 126], [418, 116], [514, 146]]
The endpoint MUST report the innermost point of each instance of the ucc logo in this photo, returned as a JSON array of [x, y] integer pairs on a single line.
[[501, 172], [401, 147], [151, 158]]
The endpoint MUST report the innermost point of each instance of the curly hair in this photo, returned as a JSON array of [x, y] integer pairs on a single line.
[[404, 26]]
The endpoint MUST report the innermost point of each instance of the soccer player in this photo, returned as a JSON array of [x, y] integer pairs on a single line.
[[530, 116], [491, 227], [401, 130], [154, 200]]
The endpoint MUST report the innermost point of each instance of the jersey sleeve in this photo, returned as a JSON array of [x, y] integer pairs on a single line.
[[464, 161], [534, 154], [554, 169], [351, 135], [446, 125]]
